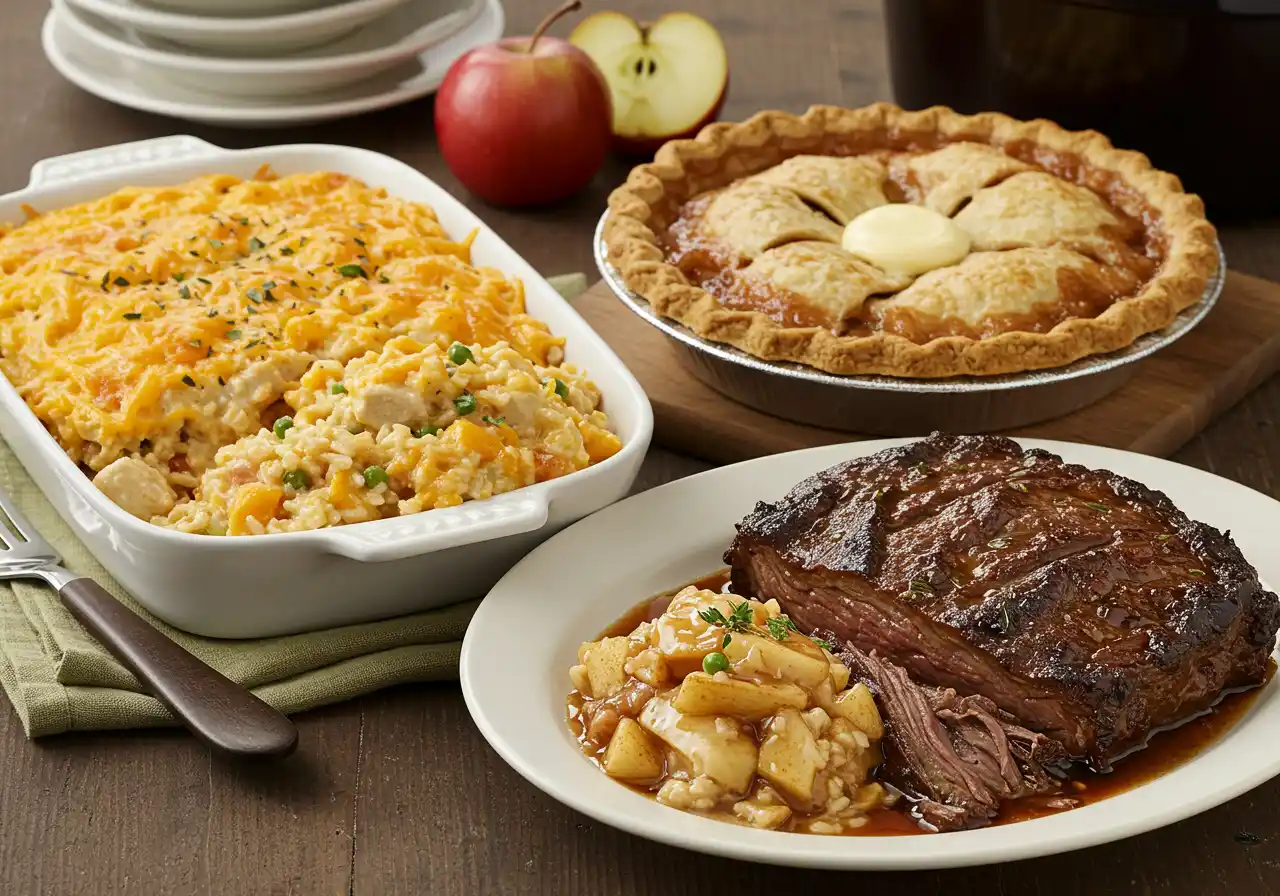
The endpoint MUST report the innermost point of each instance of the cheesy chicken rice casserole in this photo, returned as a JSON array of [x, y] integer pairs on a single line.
[[242, 357]]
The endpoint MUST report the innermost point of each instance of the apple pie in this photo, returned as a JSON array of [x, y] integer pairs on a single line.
[[914, 244]]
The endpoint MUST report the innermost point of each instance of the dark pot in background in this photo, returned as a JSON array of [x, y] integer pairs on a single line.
[[1195, 84]]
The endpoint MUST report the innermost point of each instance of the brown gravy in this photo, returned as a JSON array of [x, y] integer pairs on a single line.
[[1165, 751]]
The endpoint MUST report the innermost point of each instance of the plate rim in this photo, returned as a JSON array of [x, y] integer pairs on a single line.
[[143, 18], [938, 851]]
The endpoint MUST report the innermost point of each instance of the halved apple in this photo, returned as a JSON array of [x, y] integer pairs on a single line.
[[667, 79]]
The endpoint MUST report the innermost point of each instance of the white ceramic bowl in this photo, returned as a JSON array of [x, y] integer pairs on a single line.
[[383, 44], [296, 581], [106, 75], [552, 601], [240, 35]]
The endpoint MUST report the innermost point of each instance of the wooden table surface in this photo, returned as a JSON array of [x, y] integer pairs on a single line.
[[397, 792]]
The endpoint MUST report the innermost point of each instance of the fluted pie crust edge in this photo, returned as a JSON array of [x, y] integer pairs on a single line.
[[724, 152]]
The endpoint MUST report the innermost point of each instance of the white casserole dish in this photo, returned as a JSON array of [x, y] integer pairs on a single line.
[[255, 586]]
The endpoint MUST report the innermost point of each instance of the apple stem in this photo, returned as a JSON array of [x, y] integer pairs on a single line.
[[561, 10]]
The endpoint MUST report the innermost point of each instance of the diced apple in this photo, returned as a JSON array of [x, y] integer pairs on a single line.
[[758, 815], [606, 666], [632, 754], [756, 656], [714, 746], [840, 675], [683, 636], [858, 707], [789, 757], [705, 695]]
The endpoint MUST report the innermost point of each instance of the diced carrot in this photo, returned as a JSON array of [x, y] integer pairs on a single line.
[[476, 439], [600, 443], [256, 500]]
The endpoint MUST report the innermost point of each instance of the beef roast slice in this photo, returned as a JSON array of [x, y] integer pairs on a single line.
[[959, 757], [1082, 603]]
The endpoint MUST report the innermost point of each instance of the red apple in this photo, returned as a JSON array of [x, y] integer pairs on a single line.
[[667, 79], [525, 120]]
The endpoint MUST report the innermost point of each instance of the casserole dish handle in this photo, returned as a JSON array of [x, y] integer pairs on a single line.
[[88, 162], [438, 530]]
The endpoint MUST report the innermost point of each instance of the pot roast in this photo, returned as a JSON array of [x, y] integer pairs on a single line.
[[1080, 604], [958, 757]]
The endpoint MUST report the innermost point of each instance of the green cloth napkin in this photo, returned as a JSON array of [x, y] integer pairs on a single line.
[[60, 679]]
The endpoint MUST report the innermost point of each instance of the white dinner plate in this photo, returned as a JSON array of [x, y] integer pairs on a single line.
[[525, 635], [286, 32], [390, 41], [247, 8], [108, 76]]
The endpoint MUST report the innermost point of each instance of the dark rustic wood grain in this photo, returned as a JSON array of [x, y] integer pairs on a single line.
[[397, 792]]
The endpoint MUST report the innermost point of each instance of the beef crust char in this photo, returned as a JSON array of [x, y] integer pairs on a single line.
[[1082, 604]]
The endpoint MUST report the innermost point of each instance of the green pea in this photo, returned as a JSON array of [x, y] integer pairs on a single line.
[[283, 425], [715, 662], [374, 476], [297, 480], [465, 403], [460, 354], [337, 389], [424, 431]]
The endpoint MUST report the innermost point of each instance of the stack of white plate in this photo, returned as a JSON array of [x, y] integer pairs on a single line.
[[259, 63]]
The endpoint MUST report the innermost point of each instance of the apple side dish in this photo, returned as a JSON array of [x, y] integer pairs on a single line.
[[720, 707]]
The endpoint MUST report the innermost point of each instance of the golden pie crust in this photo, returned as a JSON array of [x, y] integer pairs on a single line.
[[985, 171]]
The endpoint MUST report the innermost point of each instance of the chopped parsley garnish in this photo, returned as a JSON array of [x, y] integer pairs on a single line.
[[285, 250], [824, 644], [383, 278], [1101, 508], [184, 291], [352, 270], [244, 222], [562, 390], [256, 245], [179, 276], [337, 389], [424, 431], [121, 281], [465, 403], [132, 315], [217, 244], [359, 242], [496, 421], [254, 295], [253, 343], [233, 334], [205, 282], [296, 479], [186, 378]]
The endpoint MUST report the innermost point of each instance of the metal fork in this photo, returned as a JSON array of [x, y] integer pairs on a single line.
[[223, 714]]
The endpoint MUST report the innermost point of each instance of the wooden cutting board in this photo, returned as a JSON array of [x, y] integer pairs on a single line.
[[1172, 396]]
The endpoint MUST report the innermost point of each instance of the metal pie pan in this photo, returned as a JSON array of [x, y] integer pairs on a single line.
[[896, 406]]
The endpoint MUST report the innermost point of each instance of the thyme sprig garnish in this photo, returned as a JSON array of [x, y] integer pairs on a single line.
[[740, 621]]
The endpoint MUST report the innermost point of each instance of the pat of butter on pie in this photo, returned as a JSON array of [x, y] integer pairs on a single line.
[[905, 239]]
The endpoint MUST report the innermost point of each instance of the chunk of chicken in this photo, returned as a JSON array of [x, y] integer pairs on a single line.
[[382, 404], [136, 487], [262, 382]]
